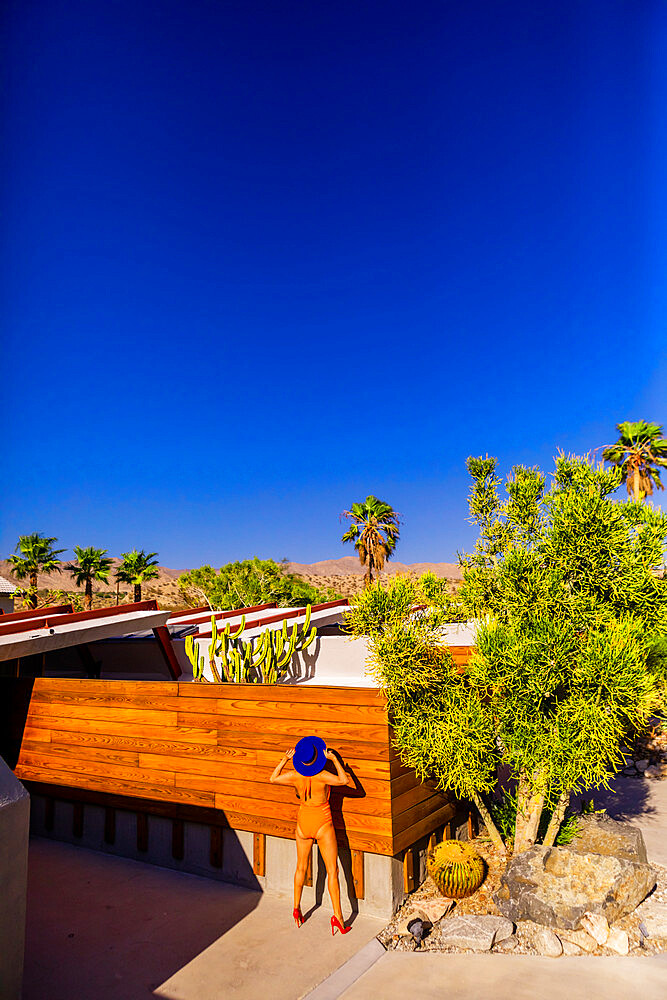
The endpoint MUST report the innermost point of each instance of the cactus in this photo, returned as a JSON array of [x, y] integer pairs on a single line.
[[192, 653], [456, 868], [259, 660]]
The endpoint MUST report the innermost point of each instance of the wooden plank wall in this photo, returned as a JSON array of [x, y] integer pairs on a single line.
[[188, 749]]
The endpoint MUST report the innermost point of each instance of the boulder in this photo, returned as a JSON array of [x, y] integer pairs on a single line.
[[473, 933], [618, 941], [596, 925], [507, 945], [569, 948], [545, 942], [555, 886], [599, 834], [436, 909], [578, 939], [654, 918]]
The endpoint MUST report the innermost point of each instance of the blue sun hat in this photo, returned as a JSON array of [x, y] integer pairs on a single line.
[[309, 755]]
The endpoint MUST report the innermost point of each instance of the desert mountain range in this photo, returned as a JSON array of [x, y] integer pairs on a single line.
[[344, 575]]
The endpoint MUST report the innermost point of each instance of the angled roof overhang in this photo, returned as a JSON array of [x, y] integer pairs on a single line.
[[25, 635]]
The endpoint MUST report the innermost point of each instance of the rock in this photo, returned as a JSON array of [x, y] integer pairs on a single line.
[[504, 930], [471, 933], [580, 939], [599, 834], [545, 942], [654, 917], [570, 948], [596, 925], [618, 941], [641, 765], [555, 886], [654, 771], [506, 946], [436, 909]]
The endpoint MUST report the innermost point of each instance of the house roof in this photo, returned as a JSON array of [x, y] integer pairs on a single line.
[[265, 618], [7, 587], [24, 635]]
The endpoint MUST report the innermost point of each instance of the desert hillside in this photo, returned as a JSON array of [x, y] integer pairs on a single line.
[[164, 588], [344, 575]]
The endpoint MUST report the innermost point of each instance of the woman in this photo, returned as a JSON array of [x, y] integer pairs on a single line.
[[313, 822]]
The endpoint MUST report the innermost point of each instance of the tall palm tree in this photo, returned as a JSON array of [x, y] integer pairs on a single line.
[[640, 448], [91, 564], [374, 531], [136, 568], [37, 556]]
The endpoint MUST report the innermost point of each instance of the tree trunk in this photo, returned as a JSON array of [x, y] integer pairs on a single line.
[[32, 596], [487, 819], [368, 578], [529, 806], [556, 819], [137, 593], [635, 485], [88, 596]]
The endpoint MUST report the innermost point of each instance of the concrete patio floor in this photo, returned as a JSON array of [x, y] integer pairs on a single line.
[[510, 977], [105, 928]]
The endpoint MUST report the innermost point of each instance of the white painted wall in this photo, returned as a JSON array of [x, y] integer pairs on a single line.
[[14, 828], [333, 658]]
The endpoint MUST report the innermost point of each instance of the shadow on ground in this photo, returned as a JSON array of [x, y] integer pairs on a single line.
[[107, 928], [98, 925]]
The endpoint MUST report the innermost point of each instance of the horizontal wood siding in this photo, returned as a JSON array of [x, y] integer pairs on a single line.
[[211, 748]]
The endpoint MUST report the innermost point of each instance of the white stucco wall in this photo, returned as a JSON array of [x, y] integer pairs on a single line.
[[334, 658], [14, 828]]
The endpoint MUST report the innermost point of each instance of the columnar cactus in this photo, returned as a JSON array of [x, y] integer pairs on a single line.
[[261, 660], [192, 653]]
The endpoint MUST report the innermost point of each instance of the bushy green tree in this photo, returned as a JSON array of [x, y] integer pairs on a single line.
[[564, 585], [248, 583], [386, 603]]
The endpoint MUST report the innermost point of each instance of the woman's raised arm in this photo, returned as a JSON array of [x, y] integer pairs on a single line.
[[282, 779], [342, 777]]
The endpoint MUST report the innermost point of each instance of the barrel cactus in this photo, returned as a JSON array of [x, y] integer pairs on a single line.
[[456, 868]]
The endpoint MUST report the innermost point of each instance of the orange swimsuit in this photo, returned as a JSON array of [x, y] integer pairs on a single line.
[[311, 818]]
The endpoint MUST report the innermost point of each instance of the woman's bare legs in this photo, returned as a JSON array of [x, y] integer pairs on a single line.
[[303, 847], [326, 841]]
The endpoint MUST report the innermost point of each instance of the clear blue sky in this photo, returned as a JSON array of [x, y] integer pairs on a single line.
[[263, 258]]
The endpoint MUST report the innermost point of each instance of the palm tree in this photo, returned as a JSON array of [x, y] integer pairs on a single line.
[[136, 568], [640, 448], [374, 531], [91, 564], [37, 556]]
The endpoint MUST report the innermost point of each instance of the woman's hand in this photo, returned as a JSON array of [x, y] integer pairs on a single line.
[[330, 755], [289, 754]]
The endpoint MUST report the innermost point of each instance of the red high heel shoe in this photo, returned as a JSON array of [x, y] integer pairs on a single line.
[[298, 916], [336, 925]]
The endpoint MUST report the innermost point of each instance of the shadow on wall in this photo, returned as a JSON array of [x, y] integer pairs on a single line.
[[15, 694]]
